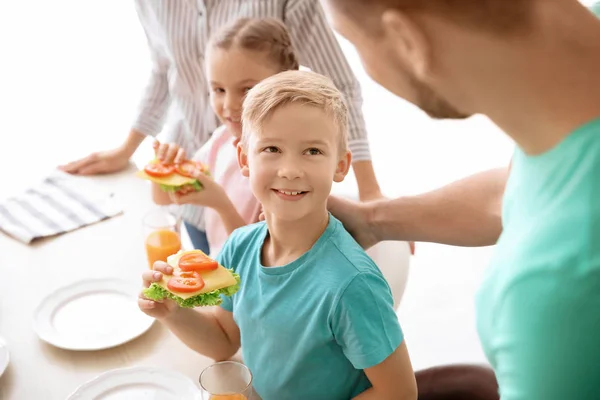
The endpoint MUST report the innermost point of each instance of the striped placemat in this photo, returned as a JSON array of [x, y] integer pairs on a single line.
[[59, 203]]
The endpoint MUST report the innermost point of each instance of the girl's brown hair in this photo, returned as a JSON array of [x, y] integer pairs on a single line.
[[259, 34]]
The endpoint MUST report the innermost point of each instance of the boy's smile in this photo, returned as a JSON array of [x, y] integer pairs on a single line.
[[291, 195], [294, 160]]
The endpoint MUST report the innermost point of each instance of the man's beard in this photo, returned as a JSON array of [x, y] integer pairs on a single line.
[[434, 105]]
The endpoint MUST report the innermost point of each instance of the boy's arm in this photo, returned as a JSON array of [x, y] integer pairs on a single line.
[[366, 327], [393, 379], [210, 331]]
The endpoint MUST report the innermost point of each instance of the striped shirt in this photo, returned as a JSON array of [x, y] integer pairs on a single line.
[[177, 32]]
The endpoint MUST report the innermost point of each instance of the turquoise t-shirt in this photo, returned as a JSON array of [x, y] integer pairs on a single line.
[[538, 309], [309, 328], [596, 8]]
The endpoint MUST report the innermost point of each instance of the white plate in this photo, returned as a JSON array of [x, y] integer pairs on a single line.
[[4, 357], [91, 315], [138, 383]]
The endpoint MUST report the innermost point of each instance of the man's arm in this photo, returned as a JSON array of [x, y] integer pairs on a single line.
[[319, 50], [393, 379], [467, 212], [211, 331], [464, 213]]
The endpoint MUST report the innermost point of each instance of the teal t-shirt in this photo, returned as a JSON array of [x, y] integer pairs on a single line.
[[538, 309], [596, 8], [309, 328]]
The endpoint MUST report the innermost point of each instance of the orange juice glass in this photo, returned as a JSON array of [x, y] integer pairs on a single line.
[[226, 380], [162, 235]]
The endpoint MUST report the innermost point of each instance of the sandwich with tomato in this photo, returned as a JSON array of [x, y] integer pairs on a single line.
[[174, 177], [197, 280]]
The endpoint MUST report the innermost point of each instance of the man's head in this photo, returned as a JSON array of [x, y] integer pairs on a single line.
[[418, 49], [294, 142]]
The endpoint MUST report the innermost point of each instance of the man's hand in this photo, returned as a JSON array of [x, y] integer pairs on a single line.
[[355, 217], [104, 162]]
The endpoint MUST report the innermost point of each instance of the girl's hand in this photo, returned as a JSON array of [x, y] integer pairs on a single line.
[[211, 195], [168, 153]]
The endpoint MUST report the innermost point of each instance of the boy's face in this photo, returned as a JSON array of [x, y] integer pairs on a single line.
[[229, 83], [294, 160]]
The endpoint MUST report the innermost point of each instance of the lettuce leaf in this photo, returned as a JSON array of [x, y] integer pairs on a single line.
[[172, 189], [156, 292]]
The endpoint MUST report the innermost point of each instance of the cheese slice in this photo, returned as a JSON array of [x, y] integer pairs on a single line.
[[172, 180], [213, 280]]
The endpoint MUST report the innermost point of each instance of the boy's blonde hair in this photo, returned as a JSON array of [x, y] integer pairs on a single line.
[[267, 35], [294, 87]]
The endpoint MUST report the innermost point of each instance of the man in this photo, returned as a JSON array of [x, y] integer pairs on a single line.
[[177, 33], [532, 67]]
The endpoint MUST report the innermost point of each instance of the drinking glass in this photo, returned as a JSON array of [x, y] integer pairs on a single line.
[[226, 380], [162, 235]]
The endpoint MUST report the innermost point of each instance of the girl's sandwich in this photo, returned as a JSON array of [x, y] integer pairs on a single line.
[[173, 177]]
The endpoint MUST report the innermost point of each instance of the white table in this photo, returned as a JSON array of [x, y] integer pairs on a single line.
[[40, 371]]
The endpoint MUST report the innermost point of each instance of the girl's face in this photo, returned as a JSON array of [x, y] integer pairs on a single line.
[[231, 73]]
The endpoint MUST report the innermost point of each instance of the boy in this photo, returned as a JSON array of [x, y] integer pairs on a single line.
[[314, 313]]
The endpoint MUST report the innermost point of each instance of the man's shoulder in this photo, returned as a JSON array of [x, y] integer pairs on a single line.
[[595, 8]]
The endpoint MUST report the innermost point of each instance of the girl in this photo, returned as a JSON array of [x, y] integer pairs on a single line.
[[239, 56]]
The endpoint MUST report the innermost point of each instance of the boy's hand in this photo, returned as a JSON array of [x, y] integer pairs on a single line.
[[212, 194], [157, 309], [168, 153]]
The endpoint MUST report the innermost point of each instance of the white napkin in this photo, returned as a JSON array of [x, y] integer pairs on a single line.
[[59, 203]]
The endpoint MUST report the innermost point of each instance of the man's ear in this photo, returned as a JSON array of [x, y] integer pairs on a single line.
[[243, 160], [410, 41], [343, 166]]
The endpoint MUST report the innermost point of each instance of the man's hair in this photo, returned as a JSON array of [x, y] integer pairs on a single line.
[[501, 16], [294, 87], [267, 35]]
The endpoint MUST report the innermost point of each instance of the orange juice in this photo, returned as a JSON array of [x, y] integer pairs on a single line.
[[161, 244], [227, 397]]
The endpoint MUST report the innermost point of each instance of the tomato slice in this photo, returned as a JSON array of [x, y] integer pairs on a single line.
[[189, 168], [197, 262], [159, 170], [185, 282]]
